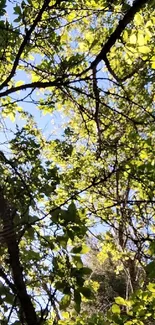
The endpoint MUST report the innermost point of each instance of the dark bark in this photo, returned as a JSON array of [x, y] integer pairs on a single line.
[[24, 298], [128, 17], [13, 250], [26, 40]]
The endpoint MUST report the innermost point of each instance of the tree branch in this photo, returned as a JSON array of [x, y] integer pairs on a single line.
[[25, 41], [117, 78], [13, 250], [137, 5], [32, 85], [8, 282]]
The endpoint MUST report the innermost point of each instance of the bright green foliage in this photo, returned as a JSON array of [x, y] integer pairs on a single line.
[[88, 65]]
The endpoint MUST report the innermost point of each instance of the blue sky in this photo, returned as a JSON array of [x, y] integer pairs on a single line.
[[44, 122], [50, 124]]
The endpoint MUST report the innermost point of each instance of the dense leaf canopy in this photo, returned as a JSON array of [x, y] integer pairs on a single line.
[[89, 68]]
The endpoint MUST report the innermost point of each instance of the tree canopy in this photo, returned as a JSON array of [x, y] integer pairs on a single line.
[[89, 68]]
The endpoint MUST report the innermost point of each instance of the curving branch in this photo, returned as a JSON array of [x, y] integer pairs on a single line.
[[26, 39], [128, 17], [13, 251]]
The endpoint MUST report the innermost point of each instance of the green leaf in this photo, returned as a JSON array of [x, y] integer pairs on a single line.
[[62, 240], [77, 300], [144, 49], [150, 269], [138, 19], [133, 39], [85, 249], [153, 62], [82, 249], [9, 298], [32, 219], [120, 301], [76, 250], [17, 10], [65, 302], [11, 115], [115, 309], [72, 212], [85, 271], [19, 83], [87, 292], [77, 260], [153, 65], [151, 287], [60, 285], [55, 215]]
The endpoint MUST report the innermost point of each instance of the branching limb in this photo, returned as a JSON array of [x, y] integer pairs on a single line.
[[128, 17]]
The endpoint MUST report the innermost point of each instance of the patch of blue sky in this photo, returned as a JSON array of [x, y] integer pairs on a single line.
[[50, 123]]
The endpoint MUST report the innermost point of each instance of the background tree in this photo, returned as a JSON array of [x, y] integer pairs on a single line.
[[110, 284]]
